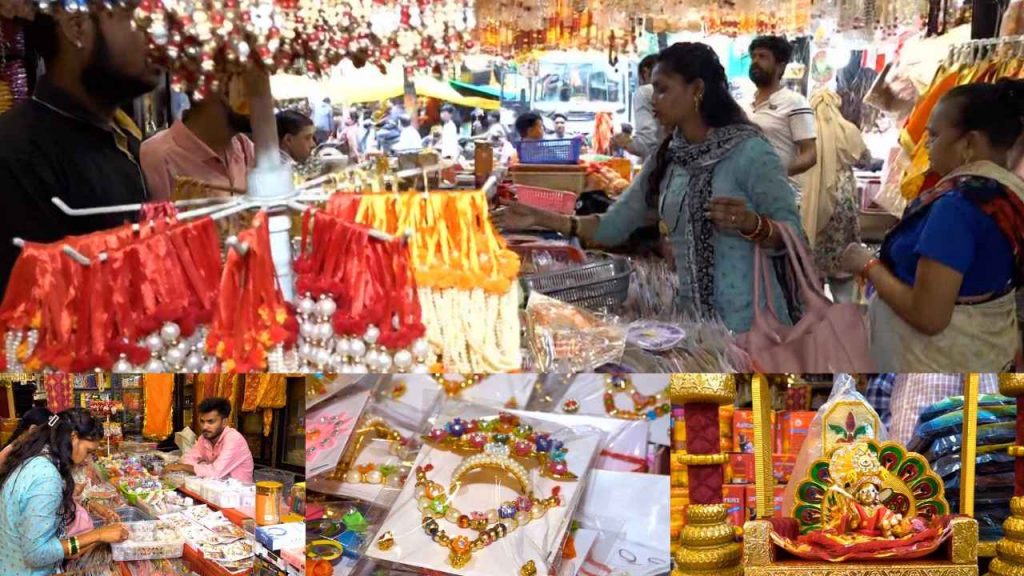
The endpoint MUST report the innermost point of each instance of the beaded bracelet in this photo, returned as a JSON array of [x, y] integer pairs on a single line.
[[507, 431], [434, 503], [644, 407], [372, 427], [455, 387]]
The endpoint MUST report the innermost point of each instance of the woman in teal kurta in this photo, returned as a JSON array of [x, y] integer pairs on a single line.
[[36, 496], [716, 186]]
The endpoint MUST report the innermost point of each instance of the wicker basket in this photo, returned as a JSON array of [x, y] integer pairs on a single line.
[[603, 283]]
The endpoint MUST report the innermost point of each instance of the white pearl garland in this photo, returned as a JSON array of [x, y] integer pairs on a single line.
[[169, 352]]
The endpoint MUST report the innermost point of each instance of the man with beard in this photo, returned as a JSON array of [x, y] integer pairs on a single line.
[[71, 140], [784, 115], [209, 145], [221, 451]]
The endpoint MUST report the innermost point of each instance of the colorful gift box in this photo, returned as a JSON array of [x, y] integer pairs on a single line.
[[734, 496], [725, 424], [282, 536], [740, 468], [795, 427], [782, 467], [743, 431]]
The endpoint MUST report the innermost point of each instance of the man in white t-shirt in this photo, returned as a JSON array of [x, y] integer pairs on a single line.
[[784, 115], [449, 133]]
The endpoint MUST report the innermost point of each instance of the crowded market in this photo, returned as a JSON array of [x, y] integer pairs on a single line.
[[481, 187], [179, 475], [402, 467]]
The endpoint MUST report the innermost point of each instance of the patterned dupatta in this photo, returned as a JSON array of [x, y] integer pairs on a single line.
[[699, 161]]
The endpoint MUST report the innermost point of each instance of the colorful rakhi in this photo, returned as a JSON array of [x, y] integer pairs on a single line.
[[373, 427], [525, 445], [435, 503], [324, 434], [644, 407]]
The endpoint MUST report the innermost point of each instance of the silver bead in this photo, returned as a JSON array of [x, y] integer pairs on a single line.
[[344, 347], [170, 332], [322, 357], [403, 360], [372, 335], [308, 329], [174, 357], [421, 369], [358, 349], [421, 348], [384, 361], [324, 331], [194, 362], [154, 343], [326, 307], [306, 305], [123, 366], [154, 366]]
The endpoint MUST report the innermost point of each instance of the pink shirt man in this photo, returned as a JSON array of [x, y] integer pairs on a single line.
[[177, 152], [229, 457]]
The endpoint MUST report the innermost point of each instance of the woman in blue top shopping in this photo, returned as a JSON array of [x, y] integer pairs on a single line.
[[716, 186], [947, 275], [37, 496]]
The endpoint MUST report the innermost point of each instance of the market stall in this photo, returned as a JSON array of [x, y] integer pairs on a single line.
[[537, 457], [179, 522]]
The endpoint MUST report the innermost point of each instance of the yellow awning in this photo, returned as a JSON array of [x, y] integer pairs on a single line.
[[363, 85]]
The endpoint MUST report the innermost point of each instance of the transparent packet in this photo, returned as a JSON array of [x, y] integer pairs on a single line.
[[538, 540], [640, 395]]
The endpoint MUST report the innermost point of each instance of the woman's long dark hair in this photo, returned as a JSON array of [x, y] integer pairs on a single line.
[[693, 60], [54, 442], [36, 416]]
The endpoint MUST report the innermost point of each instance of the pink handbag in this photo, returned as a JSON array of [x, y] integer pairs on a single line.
[[829, 338]]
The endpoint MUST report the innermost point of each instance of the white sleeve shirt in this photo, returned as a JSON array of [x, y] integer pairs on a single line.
[[786, 118], [647, 133]]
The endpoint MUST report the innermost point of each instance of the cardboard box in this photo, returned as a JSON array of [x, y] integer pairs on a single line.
[[282, 536], [751, 501], [734, 496], [782, 467], [740, 469], [725, 424], [743, 431], [795, 428]]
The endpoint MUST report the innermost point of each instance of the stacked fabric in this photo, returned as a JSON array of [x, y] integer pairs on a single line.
[[939, 438]]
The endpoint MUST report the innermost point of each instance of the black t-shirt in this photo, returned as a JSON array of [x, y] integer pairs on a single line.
[[50, 146]]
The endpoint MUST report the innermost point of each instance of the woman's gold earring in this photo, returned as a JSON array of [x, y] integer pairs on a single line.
[[697, 101]]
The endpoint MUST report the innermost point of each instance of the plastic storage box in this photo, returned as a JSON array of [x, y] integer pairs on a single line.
[[151, 540], [554, 151]]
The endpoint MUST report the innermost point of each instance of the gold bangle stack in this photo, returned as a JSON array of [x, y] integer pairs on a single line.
[[762, 232]]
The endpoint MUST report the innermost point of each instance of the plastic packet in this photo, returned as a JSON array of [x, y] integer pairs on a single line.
[[342, 533], [330, 425], [488, 493], [639, 542], [957, 403], [845, 417], [565, 338], [626, 442], [953, 422], [990, 437], [407, 401], [323, 387], [622, 396]]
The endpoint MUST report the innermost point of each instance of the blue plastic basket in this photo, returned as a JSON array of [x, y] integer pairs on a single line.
[[558, 151]]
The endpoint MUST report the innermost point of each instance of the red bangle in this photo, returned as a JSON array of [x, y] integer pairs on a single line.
[[867, 267]]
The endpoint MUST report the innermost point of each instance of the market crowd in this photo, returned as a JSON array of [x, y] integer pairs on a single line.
[[719, 180]]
